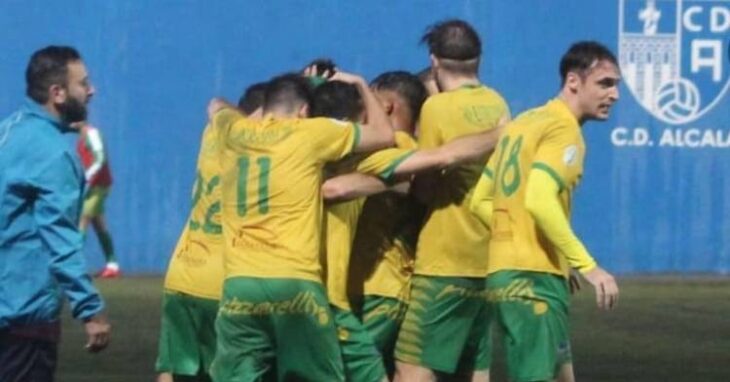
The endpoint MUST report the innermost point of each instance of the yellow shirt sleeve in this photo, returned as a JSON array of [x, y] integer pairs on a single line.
[[482, 202], [560, 154], [383, 163], [225, 118], [333, 139], [543, 203]]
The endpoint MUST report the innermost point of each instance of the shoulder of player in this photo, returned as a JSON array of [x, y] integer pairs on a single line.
[[458, 98], [545, 118], [227, 118], [493, 94], [437, 100], [42, 136]]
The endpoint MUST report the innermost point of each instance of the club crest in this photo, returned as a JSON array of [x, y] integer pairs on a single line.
[[674, 55]]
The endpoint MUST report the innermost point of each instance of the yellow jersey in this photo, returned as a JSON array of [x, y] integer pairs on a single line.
[[342, 218], [271, 191], [453, 242], [546, 138], [196, 266], [383, 252]]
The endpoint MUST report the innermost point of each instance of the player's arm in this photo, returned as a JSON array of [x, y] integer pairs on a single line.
[[351, 186], [542, 201], [482, 201], [221, 117], [356, 185], [223, 114], [377, 132], [96, 146], [218, 104], [462, 149], [372, 174], [55, 214]]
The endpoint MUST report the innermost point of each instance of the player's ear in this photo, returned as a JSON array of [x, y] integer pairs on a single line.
[[57, 93], [573, 81], [389, 106], [434, 62]]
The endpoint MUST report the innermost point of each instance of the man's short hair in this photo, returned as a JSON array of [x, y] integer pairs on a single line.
[[406, 85], [288, 91], [337, 99], [47, 67], [252, 98], [454, 40], [582, 56]]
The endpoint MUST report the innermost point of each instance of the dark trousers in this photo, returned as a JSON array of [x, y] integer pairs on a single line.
[[26, 359]]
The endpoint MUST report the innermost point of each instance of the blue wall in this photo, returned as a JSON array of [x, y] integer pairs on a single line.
[[645, 205]]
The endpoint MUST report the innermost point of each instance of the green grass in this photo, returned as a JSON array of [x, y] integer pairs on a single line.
[[664, 329], [133, 307]]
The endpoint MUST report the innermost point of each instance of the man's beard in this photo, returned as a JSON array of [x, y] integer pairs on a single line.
[[72, 110]]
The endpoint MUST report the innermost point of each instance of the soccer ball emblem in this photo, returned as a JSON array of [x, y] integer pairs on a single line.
[[677, 101]]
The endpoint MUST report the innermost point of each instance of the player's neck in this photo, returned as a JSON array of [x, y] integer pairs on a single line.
[[280, 113], [573, 106], [401, 123], [452, 82]]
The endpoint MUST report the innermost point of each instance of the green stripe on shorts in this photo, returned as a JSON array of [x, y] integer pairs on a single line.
[[445, 326]]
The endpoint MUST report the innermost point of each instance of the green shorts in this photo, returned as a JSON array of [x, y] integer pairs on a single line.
[[446, 325], [361, 357], [187, 334], [94, 201], [532, 310], [275, 329], [382, 318]]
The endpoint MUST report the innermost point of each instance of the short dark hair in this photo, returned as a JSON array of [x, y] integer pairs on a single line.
[[581, 57], [337, 99], [47, 67], [453, 39], [406, 85], [288, 91], [252, 98]]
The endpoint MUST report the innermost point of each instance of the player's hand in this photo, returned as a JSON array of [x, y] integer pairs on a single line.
[[605, 285], [311, 71], [98, 333], [215, 105], [502, 123], [574, 282]]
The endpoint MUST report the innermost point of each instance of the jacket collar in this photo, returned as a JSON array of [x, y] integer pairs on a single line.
[[36, 109]]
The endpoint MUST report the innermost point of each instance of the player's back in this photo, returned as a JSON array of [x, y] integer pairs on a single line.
[[272, 174], [547, 138], [196, 266], [452, 241]]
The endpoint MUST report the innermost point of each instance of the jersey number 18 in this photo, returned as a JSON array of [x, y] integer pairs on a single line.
[[509, 176]]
